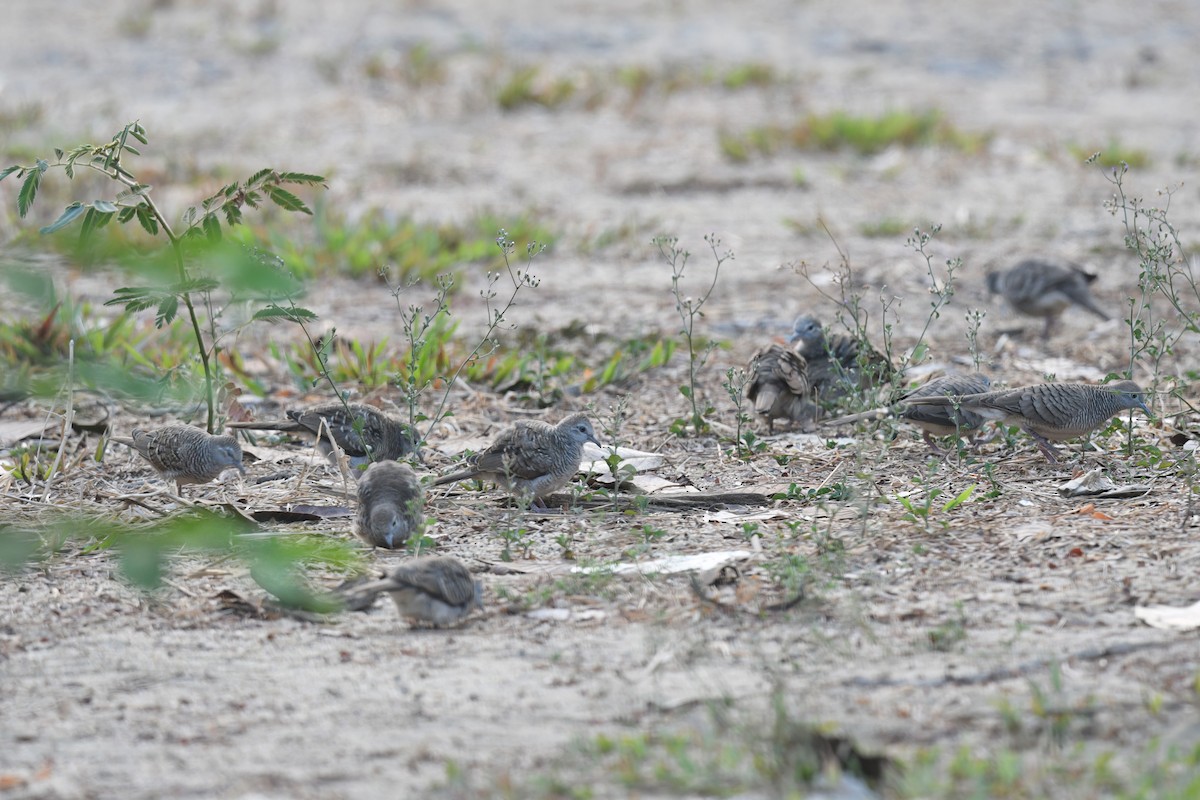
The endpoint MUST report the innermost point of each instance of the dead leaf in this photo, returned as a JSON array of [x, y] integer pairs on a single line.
[[1170, 618], [10, 781], [1095, 483]]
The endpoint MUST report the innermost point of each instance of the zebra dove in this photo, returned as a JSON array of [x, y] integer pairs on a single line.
[[531, 459], [1043, 288], [778, 385], [185, 454], [390, 505], [438, 590], [836, 364], [933, 420], [1050, 411], [383, 437]]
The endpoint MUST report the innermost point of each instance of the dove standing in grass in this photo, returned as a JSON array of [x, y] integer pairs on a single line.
[[437, 590], [1042, 288], [383, 437], [1050, 412], [185, 454], [933, 420], [531, 459], [836, 364], [779, 387], [391, 505]]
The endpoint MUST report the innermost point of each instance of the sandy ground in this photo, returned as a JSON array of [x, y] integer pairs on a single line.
[[108, 692]]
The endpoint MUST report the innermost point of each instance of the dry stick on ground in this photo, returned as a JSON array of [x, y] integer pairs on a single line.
[[1009, 673], [683, 501]]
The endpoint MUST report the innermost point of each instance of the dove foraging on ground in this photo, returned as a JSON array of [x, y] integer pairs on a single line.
[[185, 454], [383, 437], [1050, 412], [391, 505], [779, 387], [933, 420], [836, 364], [531, 459], [1041, 288], [438, 590]]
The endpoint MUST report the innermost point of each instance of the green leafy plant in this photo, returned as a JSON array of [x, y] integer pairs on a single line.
[[1165, 275], [745, 439], [513, 537], [426, 331], [195, 263], [689, 310], [146, 551]]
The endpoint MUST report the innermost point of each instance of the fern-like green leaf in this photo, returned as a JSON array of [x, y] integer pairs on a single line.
[[29, 189], [137, 190], [195, 285], [274, 313], [301, 177], [259, 176], [166, 311], [135, 298], [286, 200], [95, 219], [4, 173], [69, 215], [147, 220], [212, 228]]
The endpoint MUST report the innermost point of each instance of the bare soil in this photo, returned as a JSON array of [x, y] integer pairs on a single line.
[[910, 635]]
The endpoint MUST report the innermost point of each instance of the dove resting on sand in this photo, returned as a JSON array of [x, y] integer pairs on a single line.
[[391, 505], [1050, 412], [933, 420], [438, 590], [779, 387], [185, 454], [1042, 288], [531, 459], [836, 364], [383, 437]]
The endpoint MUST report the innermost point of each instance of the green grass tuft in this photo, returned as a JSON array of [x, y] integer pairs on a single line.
[[864, 135]]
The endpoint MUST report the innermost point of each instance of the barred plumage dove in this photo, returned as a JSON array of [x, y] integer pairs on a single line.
[[836, 364], [779, 387], [383, 438], [1042, 288], [933, 420], [438, 590], [391, 505], [1050, 411], [531, 459], [185, 454]]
